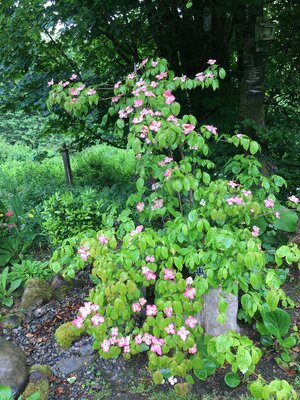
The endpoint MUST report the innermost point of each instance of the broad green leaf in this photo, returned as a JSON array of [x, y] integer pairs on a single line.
[[277, 322], [232, 380]]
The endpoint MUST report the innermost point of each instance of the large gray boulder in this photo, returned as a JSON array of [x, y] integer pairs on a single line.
[[13, 368], [36, 293]]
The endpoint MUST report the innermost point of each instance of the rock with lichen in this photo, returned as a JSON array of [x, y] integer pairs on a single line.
[[38, 382], [66, 334], [36, 293]]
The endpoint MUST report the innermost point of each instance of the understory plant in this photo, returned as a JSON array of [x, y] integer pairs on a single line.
[[186, 230]]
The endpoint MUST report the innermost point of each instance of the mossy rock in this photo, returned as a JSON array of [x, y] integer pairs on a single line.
[[40, 386], [66, 334], [36, 293], [38, 382]]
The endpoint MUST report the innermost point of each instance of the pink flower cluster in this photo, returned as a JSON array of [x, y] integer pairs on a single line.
[[187, 128], [137, 230], [123, 342], [149, 274], [161, 76], [168, 172], [173, 119], [189, 292], [255, 231], [150, 340], [84, 253], [169, 97], [102, 239], [154, 126], [169, 274], [151, 310], [232, 184], [212, 129], [136, 307], [150, 259], [269, 203], [235, 200], [166, 160], [168, 311], [86, 310], [293, 199], [140, 206], [91, 92], [123, 114], [157, 203]]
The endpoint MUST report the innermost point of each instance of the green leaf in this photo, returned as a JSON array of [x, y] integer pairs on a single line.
[[222, 73], [232, 380], [157, 378], [5, 393], [254, 147], [289, 342], [256, 389], [175, 108], [272, 299], [277, 322]]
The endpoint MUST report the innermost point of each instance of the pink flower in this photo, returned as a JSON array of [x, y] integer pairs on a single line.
[[131, 76], [85, 311], [209, 75], [65, 83], [117, 85], [138, 103], [156, 348], [9, 213], [269, 203], [94, 307], [115, 99], [150, 275], [147, 338], [74, 100], [83, 253], [169, 97], [191, 322], [173, 119], [78, 322], [126, 349], [170, 329], [137, 120], [246, 193], [212, 129], [102, 239], [81, 87], [154, 126], [149, 94], [97, 319], [140, 206], [142, 301], [91, 92], [211, 62], [200, 76], [114, 331], [158, 203], [154, 63], [234, 200], [122, 114], [74, 92], [277, 214], [189, 293], [255, 231], [293, 199], [151, 310], [187, 128], [183, 333], [137, 230], [193, 350], [189, 280], [50, 83], [232, 184], [122, 342], [161, 76], [136, 307], [150, 259], [105, 345], [153, 84], [168, 172], [73, 77], [138, 339], [113, 340], [169, 274], [168, 311]]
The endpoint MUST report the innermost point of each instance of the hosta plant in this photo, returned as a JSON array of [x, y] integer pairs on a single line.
[[185, 230]]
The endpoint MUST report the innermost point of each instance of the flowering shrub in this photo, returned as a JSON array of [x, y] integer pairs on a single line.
[[184, 231]]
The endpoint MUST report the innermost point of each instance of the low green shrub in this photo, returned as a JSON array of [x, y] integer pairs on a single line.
[[28, 269], [66, 334]]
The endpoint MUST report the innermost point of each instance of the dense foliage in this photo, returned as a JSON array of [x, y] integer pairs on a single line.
[[182, 217]]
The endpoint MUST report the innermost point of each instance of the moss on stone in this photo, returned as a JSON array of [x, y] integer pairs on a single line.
[[41, 387], [43, 369], [36, 293], [66, 334]]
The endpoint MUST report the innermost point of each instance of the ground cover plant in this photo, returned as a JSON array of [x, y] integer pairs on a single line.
[[186, 230]]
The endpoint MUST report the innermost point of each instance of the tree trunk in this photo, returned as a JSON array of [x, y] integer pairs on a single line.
[[252, 84]]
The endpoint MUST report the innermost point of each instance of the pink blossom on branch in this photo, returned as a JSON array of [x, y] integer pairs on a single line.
[[151, 310], [211, 61], [169, 274], [293, 199], [187, 128], [168, 311], [269, 203]]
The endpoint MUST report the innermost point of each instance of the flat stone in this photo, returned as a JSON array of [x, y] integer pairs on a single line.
[[72, 364], [13, 368], [86, 350]]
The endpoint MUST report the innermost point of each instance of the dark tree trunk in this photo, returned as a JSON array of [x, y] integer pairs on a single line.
[[252, 84]]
